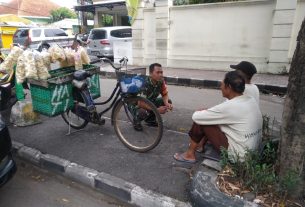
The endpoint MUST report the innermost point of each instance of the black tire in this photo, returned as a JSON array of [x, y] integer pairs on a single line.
[[119, 107], [83, 123]]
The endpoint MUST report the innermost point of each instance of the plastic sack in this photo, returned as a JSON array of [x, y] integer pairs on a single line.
[[20, 70], [41, 69], [22, 114], [10, 61], [132, 84], [30, 65]]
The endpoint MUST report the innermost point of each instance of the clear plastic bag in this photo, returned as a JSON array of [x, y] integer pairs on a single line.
[[57, 53], [41, 69], [30, 65], [10, 61], [20, 70], [46, 57]]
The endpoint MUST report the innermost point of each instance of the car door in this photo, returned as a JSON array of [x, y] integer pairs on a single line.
[[121, 43], [5, 140], [21, 36]]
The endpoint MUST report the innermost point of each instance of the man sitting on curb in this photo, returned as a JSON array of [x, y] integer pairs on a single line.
[[155, 87], [247, 70], [235, 124]]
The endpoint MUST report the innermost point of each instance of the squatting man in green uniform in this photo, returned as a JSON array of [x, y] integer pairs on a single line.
[[156, 91]]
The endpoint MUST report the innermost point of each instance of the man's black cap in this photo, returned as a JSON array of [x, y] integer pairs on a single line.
[[246, 67]]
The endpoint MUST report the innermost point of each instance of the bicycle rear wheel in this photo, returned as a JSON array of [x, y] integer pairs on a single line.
[[133, 126], [72, 119]]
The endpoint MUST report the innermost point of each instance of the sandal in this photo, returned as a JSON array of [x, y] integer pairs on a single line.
[[180, 158]]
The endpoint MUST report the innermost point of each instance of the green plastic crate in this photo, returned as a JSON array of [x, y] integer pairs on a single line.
[[94, 86], [54, 96], [52, 100]]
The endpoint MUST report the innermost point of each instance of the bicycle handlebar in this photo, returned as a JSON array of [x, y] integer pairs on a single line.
[[124, 60]]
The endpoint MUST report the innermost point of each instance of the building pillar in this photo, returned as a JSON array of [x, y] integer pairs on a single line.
[[162, 30], [137, 37], [281, 36]]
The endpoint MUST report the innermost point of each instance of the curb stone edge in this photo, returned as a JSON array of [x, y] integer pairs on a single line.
[[103, 182]]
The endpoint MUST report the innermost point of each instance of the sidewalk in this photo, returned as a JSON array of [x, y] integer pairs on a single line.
[[271, 79], [267, 83]]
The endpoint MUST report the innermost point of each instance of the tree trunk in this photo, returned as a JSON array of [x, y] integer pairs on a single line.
[[292, 145]]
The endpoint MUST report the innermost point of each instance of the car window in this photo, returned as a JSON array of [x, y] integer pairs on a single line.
[[98, 34], [22, 33], [54, 33], [121, 33], [36, 32]]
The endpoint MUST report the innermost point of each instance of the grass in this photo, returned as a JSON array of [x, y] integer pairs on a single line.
[[257, 174]]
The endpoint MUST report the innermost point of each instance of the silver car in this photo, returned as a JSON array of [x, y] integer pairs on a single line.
[[42, 38], [100, 40]]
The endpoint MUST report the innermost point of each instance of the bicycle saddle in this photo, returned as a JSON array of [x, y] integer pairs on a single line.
[[81, 75]]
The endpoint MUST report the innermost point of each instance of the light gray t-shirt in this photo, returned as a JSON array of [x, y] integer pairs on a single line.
[[252, 90], [240, 119]]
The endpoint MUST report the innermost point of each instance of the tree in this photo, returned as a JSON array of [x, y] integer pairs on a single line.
[[292, 144], [62, 13]]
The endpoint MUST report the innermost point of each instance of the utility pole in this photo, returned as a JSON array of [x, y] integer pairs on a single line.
[[83, 15]]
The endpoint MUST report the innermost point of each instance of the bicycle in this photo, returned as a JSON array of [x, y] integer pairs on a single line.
[[128, 109]]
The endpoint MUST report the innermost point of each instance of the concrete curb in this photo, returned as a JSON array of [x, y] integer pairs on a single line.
[[103, 182], [205, 193], [210, 84]]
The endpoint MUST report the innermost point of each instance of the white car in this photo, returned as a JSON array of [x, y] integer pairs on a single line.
[[100, 40]]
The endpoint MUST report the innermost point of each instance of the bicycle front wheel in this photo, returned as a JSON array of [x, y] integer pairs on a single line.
[[138, 124]]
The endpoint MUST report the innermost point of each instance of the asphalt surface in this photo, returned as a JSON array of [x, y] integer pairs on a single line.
[[32, 187], [98, 147]]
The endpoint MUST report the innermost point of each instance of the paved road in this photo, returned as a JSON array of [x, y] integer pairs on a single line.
[[32, 187], [187, 100], [99, 148]]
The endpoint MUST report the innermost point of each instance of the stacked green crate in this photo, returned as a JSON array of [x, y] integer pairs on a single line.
[[52, 99]]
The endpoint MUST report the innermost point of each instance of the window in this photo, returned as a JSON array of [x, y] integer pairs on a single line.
[[121, 33], [98, 34], [22, 33], [54, 33], [36, 32]]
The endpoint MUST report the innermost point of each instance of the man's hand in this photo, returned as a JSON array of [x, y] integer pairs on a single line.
[[169, 106], [162, 109]]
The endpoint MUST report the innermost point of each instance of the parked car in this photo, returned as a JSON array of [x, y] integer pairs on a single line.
[[100, 40], [7, 164], [42, 38]]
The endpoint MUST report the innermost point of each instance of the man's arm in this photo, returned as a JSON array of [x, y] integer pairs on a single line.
[[166, 101], [165, 97]]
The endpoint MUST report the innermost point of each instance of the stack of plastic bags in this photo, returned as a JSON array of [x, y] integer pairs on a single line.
[[32, 64], [77, 58], [35, 65]]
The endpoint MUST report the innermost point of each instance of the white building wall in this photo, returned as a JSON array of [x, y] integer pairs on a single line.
[[213, 36]]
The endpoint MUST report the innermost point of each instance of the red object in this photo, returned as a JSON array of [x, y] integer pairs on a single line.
[[105, 42]]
